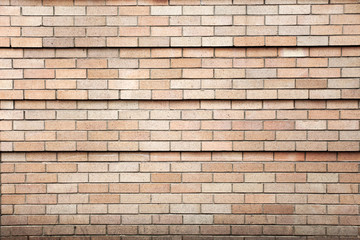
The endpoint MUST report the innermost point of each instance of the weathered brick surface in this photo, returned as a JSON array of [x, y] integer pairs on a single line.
[[178, 23], [179, 119], [181, 73], [206, 125], [156, 194]]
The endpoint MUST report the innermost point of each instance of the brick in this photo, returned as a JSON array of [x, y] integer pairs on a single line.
[[90, 42], [26, 21], [253, 219], [92, 208], [186, 188], [71, 32], [280, 41], [249, 41], [11, 32], [61, 188], [218, 230], [113, 229], [165, 177], [191, 177], [36, 220], [63, 10], [70, 73], [121, 42], [10, 10], [196, 219], [256, 10], [37, 10], [259, 177], [280, 20], [348, 156], [12, 53], [58, 42], [184, 229], [35, 32], [51, 2], [247, 230], [197, 198], [11, 94], [218, 208], [265, 30]]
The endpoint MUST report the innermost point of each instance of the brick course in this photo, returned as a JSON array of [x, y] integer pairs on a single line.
[[181, 73], [155, 193], [176, 24], [226, 125]]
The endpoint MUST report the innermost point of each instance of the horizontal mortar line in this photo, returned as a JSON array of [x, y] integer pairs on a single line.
[[170, 151], [275, 46], [193, 99]]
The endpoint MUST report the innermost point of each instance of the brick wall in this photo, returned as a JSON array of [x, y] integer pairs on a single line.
[[179, 119]]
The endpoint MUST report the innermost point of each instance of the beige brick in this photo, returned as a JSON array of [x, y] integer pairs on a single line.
[[62, 10], [257, 10], [248, 20], [215, 208], [10, 10], [38, 10]]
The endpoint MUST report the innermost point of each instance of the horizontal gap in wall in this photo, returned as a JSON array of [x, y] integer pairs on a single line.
[[176, 156], [264, 46], [167, 151], [182, 99]]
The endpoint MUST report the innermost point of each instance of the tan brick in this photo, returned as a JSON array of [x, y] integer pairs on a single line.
[[317, 198], [130, 10], [249, 41], [37, 220], [196, 177], [61, 188], [165, 177], [253, 219], [169, 156], [228, 219], [134, 219], [10, 10], [247, 230], [37, 10], [291, 177], [186, 188]]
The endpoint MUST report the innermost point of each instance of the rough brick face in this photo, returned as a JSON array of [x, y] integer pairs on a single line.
[[146, 24], [179, 119], [281, 73], [224, 123], [257, 189]]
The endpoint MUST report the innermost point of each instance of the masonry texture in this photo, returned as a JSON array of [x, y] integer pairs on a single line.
[[180, 119]]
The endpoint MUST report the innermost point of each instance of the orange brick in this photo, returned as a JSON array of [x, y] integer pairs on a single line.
[[280, 41], [39, 73], [60, 63], [109, 73], [320, 156], [348, 156], [324, 72], [249, 41]]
